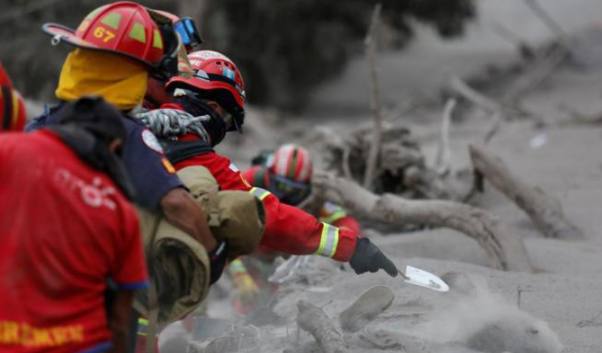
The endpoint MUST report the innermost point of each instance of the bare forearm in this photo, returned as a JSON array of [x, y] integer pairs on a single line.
[[181, 211], [120, 320]]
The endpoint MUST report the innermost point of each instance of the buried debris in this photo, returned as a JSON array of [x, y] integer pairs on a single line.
[[315, 321], [504, 249], [366, 308]]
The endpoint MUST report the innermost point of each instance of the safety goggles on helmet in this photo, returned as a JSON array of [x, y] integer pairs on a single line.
[[168, 67], [288, 191], [186, 28]]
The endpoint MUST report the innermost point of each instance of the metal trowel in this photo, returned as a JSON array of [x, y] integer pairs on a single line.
[[422, 278]]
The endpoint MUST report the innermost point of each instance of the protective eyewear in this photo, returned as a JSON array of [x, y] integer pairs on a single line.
[[186, 28], [288, 191], [168, 67]]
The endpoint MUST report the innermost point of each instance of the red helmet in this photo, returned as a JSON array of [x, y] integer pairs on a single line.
[[292, 162], [125, 28], [215, 77], [12, 107]]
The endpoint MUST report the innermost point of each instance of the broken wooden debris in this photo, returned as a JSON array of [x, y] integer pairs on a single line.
[[545, 211], [315, 321]]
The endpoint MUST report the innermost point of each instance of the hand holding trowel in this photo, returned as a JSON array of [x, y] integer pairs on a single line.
[[372, 259]]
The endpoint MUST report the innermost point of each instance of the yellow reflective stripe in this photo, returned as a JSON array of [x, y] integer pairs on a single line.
[[329, 240], [333, 217], [259, 193], [142, 327], [237, 266]]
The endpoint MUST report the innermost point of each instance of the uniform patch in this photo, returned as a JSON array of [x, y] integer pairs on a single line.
[[234, 168], [168, 166], [151, 141]]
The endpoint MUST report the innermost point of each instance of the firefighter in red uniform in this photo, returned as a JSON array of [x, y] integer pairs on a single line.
[[66, 228], [12, 107], [213, 101], [287, 174]]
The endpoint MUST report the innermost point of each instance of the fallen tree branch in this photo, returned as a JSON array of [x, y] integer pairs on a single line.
[[315, 321], [545, 211], [505, 250], [470, 94], [443, 156]]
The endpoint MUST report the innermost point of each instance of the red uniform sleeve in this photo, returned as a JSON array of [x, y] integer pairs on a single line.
[[249, 174], [226, 173], [349, 223], [130, 270], [288, 229], [294, 231]]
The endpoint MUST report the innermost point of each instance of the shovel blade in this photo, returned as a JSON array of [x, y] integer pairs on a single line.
[[425, 279]]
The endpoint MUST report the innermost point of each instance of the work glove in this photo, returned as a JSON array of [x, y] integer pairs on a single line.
[[369, 258], [218, 258]]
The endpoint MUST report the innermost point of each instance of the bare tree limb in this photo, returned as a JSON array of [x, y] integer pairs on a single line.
[[478, 99], [315, 321], [346, 170], [371, 43], [545, 211], [504, 249], [443, 155]]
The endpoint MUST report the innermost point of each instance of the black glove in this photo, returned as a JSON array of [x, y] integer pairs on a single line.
[[368, 258], [218, 261]]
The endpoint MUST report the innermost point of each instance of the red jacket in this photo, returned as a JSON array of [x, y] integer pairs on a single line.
[[288, 229], [329, 213], [65, 230]]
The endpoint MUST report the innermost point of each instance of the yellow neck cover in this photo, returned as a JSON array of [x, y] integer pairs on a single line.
[[119, 80]]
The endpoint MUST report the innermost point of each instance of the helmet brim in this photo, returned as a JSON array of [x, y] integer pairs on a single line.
[[60, 33]]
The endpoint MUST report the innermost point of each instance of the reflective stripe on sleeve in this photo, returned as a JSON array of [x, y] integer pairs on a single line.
[[259, 193], [329, 240], [333, 217], [142, 326], [237, 267]]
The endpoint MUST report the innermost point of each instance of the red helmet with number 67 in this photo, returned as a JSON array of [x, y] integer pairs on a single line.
[[124, 28], [215, 77]]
